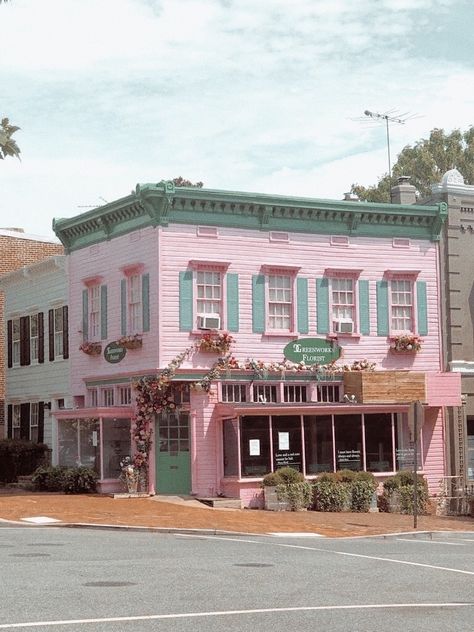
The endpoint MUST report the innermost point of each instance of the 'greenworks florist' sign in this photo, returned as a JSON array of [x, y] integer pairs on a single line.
[[114, 352], [312, 351]]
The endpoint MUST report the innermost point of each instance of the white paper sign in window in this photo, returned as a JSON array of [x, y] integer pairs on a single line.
[[254, 447], [283, 440]]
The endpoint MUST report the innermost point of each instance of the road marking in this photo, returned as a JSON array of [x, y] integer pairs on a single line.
[[295, 534], [416, 541], [227, 613], [367, 557]]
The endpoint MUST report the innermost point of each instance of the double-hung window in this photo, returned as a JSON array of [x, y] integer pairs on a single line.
[[59, 331], [280, 302], [209, 298], [34, 421], [135, 304], [34, 337], [134, 300], [343, 305], [16, 342], [401, 302], [94, 312], [16, 421]]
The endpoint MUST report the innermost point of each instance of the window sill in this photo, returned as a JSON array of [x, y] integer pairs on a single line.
[[280, 334], [354, 336], [203, 332]]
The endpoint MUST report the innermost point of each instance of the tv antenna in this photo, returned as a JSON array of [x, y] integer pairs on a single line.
[[92, 205], [389, 117]]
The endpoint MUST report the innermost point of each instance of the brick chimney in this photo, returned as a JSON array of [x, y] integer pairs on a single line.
[[403, 192]]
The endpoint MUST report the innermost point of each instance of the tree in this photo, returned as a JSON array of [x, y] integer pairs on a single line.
[[182, 182], [425, 163], [8, 146]]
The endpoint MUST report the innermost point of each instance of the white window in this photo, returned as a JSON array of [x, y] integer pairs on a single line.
[[401, 300], [16, 421], [92, 398], [34, 345], [135, 303], [16, 342], [94, 312], [343, 305], [107, 396], [280, 302], [234, 393], [34, 421], [294, 393], [58, 332], [209, 294], [124, 395], [329, 392], [264, 393]]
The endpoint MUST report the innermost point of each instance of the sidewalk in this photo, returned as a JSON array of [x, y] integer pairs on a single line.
[[188, 514]]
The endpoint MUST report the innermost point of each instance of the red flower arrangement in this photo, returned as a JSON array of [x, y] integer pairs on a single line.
[[91, 348], [406, 343], [215, 343]]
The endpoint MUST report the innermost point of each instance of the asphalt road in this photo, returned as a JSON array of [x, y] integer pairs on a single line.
[[90, 581]]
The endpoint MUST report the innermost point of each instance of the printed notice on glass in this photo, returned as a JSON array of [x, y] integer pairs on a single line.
[[254, 447], [283, 440], [94, 438]]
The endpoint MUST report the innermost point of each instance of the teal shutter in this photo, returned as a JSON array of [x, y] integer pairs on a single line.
[[364, 314], [422, 309], [322, 305], [85, 314], [146, 302], [258, 303], [103, 312], [186, 300], [302, 304], [382, 308], [123, 307], [232, 302]]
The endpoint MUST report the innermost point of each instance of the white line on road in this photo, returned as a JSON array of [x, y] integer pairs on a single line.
[[429, 541], [312, 548], [224, 613]]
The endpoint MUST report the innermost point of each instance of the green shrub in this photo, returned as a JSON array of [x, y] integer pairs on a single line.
[[346, 476], [271, 480], [20, 458], [362, 492], [289, 475], [49, 479], [398, 493], [80, 480], [299, 495], [330, 495]]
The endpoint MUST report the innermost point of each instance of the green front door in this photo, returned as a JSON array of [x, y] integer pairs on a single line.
[[173, 463]]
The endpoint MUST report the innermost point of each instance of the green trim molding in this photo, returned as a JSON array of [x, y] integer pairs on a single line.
[[161, 204]]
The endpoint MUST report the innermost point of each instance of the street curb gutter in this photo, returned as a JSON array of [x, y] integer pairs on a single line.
[[84, 525]]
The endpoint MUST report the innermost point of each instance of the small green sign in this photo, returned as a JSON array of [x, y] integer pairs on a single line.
[[114, 352], [312, 351]]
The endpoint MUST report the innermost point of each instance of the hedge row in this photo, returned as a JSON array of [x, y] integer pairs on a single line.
[[70, 480], [20, 458]]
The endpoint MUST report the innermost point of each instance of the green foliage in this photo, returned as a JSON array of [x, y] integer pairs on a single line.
[[361, 494], [330, 495], [282, 476], [346, 476], [398, 493], [8, 146], [49, 479], [299, 495], [182, 182], [20, 458], [271, 480], [426, 162], [80, 480]]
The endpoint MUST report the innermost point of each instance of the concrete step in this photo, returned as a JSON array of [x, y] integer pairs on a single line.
[[220, 502]]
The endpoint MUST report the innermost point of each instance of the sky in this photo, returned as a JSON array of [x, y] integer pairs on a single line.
[[245, 95]]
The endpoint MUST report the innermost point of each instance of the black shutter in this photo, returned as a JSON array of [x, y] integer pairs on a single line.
[[51, 334], [41, 422], [10, 421], [24, 340], [41, 337], [10, 343], [65, 333], [25, 421]]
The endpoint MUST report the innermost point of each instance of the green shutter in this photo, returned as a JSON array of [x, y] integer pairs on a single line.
[[302, 304], [85, 314], [186, 300], [146, 302], [123, 307], [258, 303], [364, 314], [322, 305], [422, 309], [232, 302], [382, 308], [103, 312]]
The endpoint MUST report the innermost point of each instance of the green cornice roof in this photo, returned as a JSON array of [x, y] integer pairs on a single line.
[[162, 204]]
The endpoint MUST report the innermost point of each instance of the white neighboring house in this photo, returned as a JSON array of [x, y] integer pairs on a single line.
[[37, 350]]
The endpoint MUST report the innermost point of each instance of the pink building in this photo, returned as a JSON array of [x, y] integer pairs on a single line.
[[211, 334]]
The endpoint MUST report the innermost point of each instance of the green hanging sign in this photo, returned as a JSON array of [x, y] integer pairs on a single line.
[[312, 351], [114, 352]]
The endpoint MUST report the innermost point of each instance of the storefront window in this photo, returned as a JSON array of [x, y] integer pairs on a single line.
[[255, 446], [348, 430], [79, 443], [286, 432], [404, 446], [318, 444], [231, 457], [378, 442], [470, 449], [116, 445]]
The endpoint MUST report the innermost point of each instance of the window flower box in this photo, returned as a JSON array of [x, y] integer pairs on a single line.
[[406, 343], [91, 348], [131, 342], [215, 343]]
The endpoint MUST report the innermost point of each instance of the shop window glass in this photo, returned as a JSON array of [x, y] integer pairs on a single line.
[[286, 434], [231, 458], [404, 446], [116, 445], [378, 442], [294, 393], [255, 446], [264, 393], [348, 429], [470, 449], [318, 444], [79, 443]]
